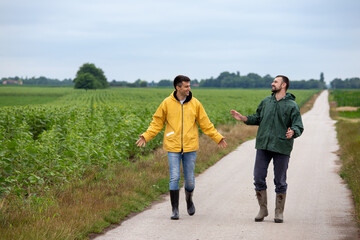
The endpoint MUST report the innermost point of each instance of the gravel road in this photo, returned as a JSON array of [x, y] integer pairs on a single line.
[[318, 204]]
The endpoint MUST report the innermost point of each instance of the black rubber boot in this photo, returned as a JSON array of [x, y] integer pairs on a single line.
[[174, 198], [189, 203]]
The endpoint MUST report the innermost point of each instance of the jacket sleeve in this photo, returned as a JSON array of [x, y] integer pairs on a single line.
[[157, 123], [206, 125], [296, 122], [255, 119]]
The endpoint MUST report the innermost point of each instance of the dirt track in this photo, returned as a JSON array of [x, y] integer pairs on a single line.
[[318, 204]]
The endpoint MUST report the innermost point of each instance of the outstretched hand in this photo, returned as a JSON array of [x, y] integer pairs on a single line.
[[238, 116], [141, 142], [222, 144]]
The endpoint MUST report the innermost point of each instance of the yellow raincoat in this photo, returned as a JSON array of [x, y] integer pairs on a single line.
[[181, 131]]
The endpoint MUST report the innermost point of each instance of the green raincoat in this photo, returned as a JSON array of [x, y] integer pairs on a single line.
[[274, 118]]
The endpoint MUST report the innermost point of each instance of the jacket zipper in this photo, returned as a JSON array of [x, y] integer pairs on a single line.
[[273, 122], [182, 126]]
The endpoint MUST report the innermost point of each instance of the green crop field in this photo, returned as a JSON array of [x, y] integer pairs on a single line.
[[58, 138], [350, 97], [347, 98], [20, 96]]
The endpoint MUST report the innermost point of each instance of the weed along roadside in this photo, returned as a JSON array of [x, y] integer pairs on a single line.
[[103, 194]]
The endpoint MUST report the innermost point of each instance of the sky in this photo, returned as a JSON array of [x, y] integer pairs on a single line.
[[153, 40]]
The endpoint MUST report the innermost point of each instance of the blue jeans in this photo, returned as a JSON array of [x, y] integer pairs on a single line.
[[188, 162], [280, 161]]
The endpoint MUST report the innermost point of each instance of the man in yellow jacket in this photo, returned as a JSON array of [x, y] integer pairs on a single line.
[[181, 111]]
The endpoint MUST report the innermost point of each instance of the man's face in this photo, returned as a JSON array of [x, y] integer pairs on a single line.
[[184, 89], [277, 84]]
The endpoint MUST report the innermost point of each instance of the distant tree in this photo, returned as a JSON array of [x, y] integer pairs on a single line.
[[143, 84], [152, 84], [246, 82], [137, 83], [254, 76], [354, 82], [211, 82], [194, 82], [115, 83], [267, 80], [140, 83], [337, 83], [98, 77], [322, 79], [257, 80], [309, 84], [86, 81], [165, 83]]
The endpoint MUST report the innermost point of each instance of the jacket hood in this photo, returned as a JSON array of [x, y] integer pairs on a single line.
[[188, 98], [288, 96]]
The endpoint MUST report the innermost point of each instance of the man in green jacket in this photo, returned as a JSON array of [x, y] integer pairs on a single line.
[[279, 121]]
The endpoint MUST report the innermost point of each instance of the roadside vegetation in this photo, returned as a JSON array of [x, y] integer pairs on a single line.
[[345, 108], [70, 168]]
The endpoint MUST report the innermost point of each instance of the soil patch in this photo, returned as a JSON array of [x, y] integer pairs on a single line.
[[343, 109]]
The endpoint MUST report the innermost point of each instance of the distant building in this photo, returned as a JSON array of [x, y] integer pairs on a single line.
[[12, 82]]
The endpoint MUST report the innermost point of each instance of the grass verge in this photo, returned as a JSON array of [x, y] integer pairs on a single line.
[[348, 135], [105, 198]]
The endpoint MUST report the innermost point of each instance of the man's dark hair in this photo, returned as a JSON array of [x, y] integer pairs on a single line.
[[179, 79], [285, 80]]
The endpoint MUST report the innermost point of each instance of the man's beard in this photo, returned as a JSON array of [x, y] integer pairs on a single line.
[[274, 90]]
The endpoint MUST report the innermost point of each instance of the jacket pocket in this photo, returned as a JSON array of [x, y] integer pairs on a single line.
[[286, 143]]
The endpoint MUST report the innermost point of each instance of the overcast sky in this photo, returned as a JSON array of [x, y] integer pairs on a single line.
[[154, 40]]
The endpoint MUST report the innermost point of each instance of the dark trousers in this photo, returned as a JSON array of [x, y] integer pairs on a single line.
[[280, 161]]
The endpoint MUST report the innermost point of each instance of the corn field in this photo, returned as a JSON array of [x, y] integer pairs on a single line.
[[50, 144]]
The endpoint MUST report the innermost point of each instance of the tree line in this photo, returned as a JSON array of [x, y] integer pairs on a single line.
[[253, 80], [338, 83], [229, 80], [91, 77], [36, 81]]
